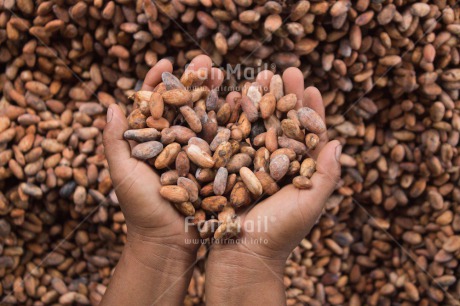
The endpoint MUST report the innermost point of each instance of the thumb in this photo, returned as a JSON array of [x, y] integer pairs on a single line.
[[117, 149], [311, 201], [327, 173], [301, 208]]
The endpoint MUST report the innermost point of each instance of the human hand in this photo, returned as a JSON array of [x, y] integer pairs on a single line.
[[159, 247], [256, 262]]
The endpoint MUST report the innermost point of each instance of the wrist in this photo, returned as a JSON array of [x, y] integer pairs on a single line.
[[182, 241], [170, 260], [156, 253], [238, 277], [150, 272]]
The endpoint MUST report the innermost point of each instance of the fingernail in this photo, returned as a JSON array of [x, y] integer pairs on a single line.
[[109, 114], [338, 152]]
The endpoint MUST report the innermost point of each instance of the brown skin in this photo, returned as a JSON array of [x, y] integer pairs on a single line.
[[240, 274], [156, 265]]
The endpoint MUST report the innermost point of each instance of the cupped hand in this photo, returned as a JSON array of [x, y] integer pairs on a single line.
[[150, 219], [271, 229]]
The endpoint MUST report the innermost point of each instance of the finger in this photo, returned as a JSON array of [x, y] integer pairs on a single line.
[[200, 62], [293, 83], [215, 79], [153, 77], [230, 99], [312, 99], [311, 201], [117, 149], [327, 174], [264, 78]]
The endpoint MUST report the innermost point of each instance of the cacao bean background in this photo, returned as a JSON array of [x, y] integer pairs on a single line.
[[389, 74]]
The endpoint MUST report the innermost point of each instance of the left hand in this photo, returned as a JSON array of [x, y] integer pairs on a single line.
[[257, 261]]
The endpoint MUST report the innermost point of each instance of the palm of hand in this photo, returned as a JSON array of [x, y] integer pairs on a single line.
[[147, 213], [273, 227]]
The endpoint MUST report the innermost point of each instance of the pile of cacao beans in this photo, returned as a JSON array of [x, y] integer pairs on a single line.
[[388, 72]]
